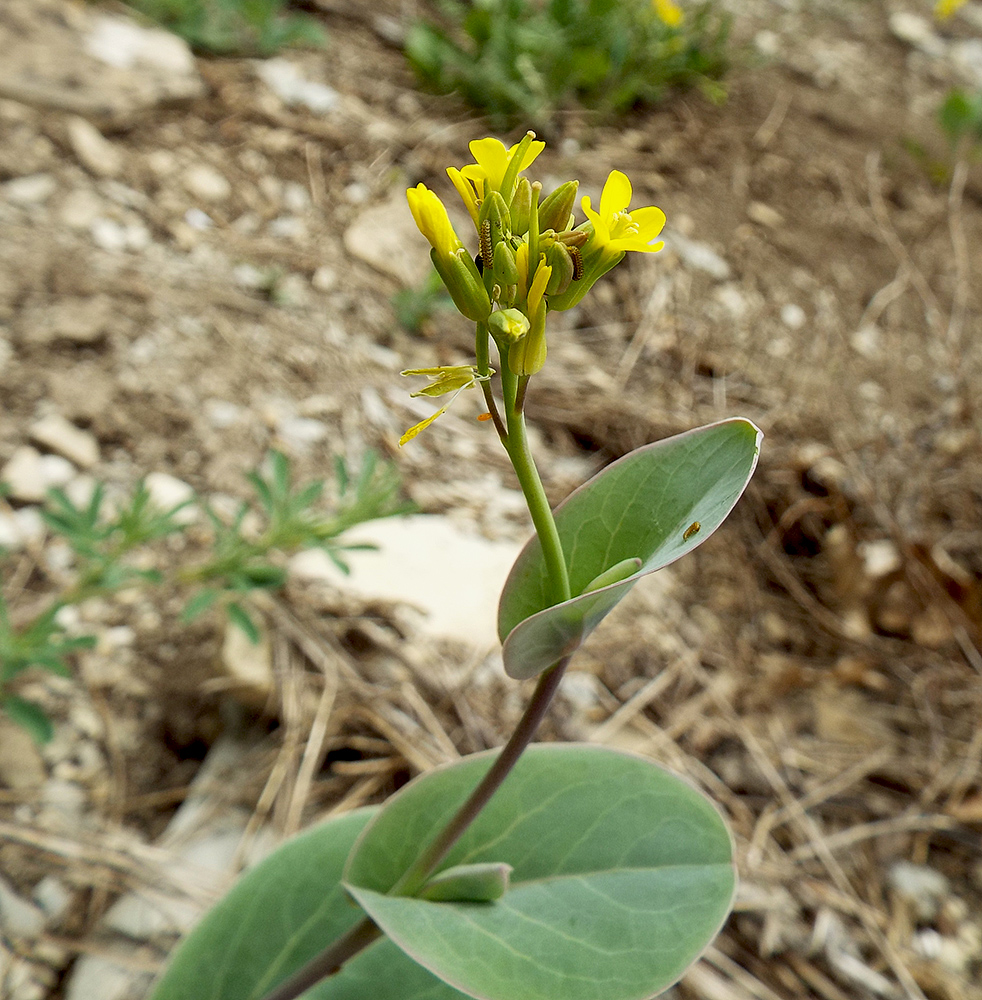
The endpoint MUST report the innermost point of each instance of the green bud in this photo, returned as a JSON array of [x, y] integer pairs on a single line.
[[618, 572], [482, 882], [555, 211], [559, 259], [508, 325], [464, 283], [528, 355], [505, 268], [495, 210], [521, 205]]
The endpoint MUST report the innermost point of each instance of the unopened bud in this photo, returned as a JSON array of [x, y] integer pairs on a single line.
[[528, 355], [563, 269], [460, 275], [555, 211], [521, 205], [495, 211], [508, 325], [505, 266]]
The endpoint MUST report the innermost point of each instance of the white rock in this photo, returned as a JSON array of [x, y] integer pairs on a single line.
[[30, 525], [10, 538], [96, 153], [64, 802], [917, 32], [221, 413], [126, 45], [764, 215], [287, 227], [18, 917], [426, 561], [880, 557], [80, 209], [732, 299], [249, 664], [966, 57], [922, 886], [379, 236], [793, 316], [53, 896], [866, 341], [205, 182], [93, 977], [167, 492], [35, 189], [698, 255], [768, 43], [324, 279], [24, 474], [21, 766], [286, 81], [108, 234], [199, 221], [296, 198], [63, 437]]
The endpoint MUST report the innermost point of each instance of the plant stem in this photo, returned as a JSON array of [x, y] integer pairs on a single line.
[[328, 962]]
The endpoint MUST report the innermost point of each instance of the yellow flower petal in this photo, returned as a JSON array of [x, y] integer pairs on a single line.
[[466, 190], [943, 9], [542, 275], [421, 426], [669, 12], [616, 195], [599, 226], [432, 219], [492, 158]]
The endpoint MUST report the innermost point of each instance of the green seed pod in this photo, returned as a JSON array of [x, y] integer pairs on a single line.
[[555, 211], [505, 267]]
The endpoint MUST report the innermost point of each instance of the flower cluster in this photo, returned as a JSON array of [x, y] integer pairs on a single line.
[[532, 258]]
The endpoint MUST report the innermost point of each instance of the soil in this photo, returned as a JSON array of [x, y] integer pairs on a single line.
[[817, 659]]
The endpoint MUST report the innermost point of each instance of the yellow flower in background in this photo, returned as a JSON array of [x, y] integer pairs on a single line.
[[432, 219], [617, 228], [443, 379], [943, 9], [671, 14]]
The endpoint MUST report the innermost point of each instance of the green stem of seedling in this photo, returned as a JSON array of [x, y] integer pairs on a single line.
[[482, 354]]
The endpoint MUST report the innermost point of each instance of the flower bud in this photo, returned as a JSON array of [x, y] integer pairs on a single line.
[[561, 262], [508, 325], [460, 275], [505, 267], [555, 211], [528, 355], [521, 205]]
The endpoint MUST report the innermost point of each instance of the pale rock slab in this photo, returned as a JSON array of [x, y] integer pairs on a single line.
[[61, 436], [426, 561]]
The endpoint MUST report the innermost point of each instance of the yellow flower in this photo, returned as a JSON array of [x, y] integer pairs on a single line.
[[670, 13], [943, 9], [493, 160], [617, 228], [443, 379], [432, 219]]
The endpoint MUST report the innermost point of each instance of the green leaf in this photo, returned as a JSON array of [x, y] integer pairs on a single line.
[[277, 917], [31, 717], [239, 617], [622, 875], [199, 604], [655, 504]]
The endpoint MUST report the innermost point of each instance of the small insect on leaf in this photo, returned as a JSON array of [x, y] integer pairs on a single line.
[[693, 529]]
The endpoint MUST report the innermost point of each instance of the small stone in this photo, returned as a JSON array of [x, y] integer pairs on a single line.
[[167, 492], [866, 341], [764, 215], [24, 475], [793, 316], [286, 81], [30, 524], [53, 896], [698, 255], [108, 235], [126, 45], [299, 433], [205, 182], [966, 57], [221, 413], [93, 976], [35, 189], [732, 299], [768, 43], [880, 558], [198, 220], [296, 198], [287, 227], [21, 766], [917, 32], [249, 664], [80, 209], [324, 279], [80, 320], [63, 802], [18, 917], [94, 151], [61, 436], [379, 237], [920, 885]]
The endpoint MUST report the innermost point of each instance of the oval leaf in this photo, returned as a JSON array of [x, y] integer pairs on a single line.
[[278, 916], [622, 874], [656, 504]]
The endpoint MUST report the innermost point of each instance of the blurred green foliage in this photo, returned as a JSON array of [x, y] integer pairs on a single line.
[[233, 27], [524, 61], [960, 117]]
